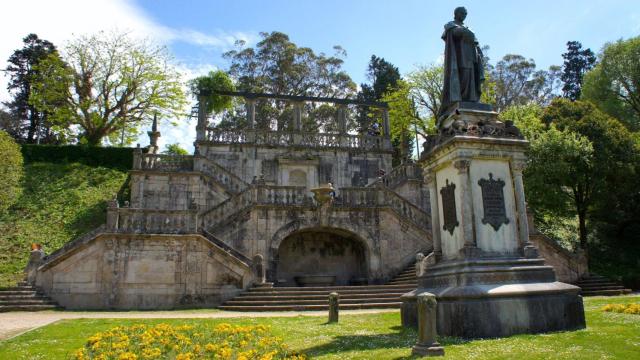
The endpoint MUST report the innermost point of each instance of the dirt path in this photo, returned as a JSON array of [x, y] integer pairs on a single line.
[[16, 323]]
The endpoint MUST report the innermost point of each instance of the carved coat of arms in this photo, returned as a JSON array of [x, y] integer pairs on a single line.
[[449, 214], [495, 213]]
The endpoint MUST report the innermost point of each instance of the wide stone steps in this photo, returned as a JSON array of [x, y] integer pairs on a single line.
[[24, 298], [316, 297], [596, 285]]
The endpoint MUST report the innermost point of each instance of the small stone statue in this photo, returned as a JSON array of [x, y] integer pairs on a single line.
[[463, 67]]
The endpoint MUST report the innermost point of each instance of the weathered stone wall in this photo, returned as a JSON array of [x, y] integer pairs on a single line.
[[342, 167], [115, 271], [390, 243], [569, 267], [173, 191]]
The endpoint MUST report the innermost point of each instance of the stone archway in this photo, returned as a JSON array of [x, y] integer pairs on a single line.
[[321, 257]]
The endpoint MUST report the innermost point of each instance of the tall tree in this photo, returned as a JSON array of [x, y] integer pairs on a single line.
[[22, 70], [109, 85], [383, 77], [577, 62], [426, 84], [614, 84], [611, 163], [279, 66]]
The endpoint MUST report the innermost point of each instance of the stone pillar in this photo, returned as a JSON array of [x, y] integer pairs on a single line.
[[137, 158], [297, 116], [466, 202], [334, 304], [427, 344], [250, 105], [112, 214], [430, 181], [201, 127], [342, 118], [386, 127], [36, 258], [530, 251]]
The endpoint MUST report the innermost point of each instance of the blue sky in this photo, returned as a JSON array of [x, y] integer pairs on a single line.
[[405, 32]]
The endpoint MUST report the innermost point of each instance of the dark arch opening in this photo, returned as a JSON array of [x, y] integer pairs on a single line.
[[320, 258]]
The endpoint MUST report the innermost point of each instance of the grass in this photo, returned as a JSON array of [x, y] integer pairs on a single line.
[[59, 202], [374, 336]]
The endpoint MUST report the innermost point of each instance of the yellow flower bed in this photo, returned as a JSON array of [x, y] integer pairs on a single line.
[[623, 308], [186, 342]]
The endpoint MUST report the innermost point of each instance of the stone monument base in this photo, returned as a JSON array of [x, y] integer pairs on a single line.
[[485, 298]]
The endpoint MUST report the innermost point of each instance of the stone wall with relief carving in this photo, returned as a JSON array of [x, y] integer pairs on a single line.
[[117, 271]]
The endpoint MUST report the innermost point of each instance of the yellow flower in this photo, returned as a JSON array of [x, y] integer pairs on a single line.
[[127, 356]]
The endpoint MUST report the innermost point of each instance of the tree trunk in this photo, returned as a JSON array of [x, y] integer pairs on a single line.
[[582, 228]]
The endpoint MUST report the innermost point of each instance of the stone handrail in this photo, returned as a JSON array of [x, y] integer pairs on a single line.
[[383, 197], [228, 249], [227, 208], [160, 162], [224, 177], [281, 195], [152, 221], [84, 238], [286, 138], [402, 173]]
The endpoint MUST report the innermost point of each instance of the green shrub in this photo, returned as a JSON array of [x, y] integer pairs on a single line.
[[11, 171], [120, 158]]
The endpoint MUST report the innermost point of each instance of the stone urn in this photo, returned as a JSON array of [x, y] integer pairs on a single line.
[[323, 194]]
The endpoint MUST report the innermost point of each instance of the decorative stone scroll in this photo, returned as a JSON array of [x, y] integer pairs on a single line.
[[495, 213], [449, 214]]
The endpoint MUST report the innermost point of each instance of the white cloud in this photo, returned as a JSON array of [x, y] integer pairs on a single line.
[[59, 21]]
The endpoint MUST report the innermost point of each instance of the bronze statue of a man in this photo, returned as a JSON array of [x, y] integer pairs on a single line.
[[463, 68]]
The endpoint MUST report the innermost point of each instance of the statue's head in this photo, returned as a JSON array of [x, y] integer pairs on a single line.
[[460, 13]]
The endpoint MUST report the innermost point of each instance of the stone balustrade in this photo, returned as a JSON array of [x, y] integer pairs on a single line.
[[286, 138], [157, 162], [226, 178], [152, 221], [382, 197], [282, 195], [401, 174]]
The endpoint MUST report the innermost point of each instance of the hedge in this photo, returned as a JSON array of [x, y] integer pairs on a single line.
[[110, 157]]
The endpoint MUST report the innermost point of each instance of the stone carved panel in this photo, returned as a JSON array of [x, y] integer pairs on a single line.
[[449, 214], [495, 213], [269, 170]]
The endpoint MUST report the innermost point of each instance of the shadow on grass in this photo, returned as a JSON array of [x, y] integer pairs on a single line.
[[401, 338]]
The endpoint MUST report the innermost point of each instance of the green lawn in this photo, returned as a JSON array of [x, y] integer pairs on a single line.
[[375, 336], [59, 202]]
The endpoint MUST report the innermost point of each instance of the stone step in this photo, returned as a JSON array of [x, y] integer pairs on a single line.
[[328, 288], [405, 276], [238, 302], [605, 292], [18, 288], [302, 291], [608, 287], [6, 308], [409, 283], [249, 296], [608, 283], [393, 305], [594, 280], [18, 292], [27, 302]]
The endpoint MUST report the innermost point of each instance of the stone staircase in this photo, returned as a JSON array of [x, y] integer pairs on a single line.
[[24, 297], [316, 298], [596, 285]]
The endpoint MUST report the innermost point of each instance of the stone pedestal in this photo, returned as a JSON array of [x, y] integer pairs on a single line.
[[488, 278], [427, 344], [334, 305]]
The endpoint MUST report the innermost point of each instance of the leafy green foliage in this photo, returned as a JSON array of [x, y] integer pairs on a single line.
[[10, 171], [109, 84], [426, 93], [59, 202], [614, 84], [110, 157], [576, 63], [174, 149], [210, 84], [371, 336]]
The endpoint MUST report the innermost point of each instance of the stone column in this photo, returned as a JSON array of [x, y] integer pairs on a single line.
[[530, 251], [385, 123], [342, 118], [334, 304], [112, 214], [201, 127], [466, 205], [250, 105], [297, 116], [430, 181], [427, 330]]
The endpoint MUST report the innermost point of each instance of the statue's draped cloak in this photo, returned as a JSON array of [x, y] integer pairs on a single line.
[[452, 90]]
